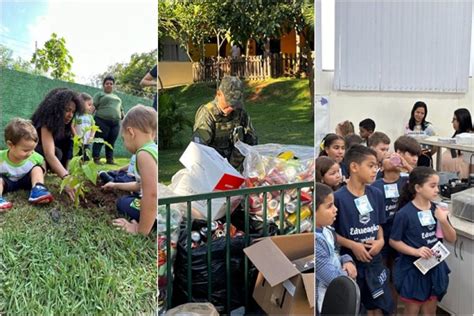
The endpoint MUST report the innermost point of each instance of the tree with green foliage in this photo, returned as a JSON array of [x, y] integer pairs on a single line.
[[128, 75], [266, 19], [259, 20], [217, 16], [54, 56], [193, 22], [185, 21], [18, 64]]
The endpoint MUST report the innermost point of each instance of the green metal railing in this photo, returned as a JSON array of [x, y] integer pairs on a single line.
[[167, 202]]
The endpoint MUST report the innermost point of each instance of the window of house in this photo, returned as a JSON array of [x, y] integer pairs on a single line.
[[172, 51]]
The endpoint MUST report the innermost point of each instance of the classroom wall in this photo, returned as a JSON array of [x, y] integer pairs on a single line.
[[391, 110]]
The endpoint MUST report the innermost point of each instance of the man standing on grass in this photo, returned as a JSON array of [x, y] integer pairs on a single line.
[[223, 121]]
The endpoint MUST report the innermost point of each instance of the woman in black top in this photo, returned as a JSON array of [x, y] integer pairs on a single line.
[[52, 120]]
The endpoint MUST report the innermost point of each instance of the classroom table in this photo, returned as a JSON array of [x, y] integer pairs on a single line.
[[433, 141]]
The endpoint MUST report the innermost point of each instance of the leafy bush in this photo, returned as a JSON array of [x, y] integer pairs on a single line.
[[171, 120]]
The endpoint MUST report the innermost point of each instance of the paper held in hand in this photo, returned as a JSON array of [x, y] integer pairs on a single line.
[[440, 253]]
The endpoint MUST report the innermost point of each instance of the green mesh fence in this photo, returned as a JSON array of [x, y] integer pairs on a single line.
[[21, 93]]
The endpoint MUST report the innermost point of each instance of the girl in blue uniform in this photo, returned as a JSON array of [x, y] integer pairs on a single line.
[[334, 147], [413, 236], [328, 172]]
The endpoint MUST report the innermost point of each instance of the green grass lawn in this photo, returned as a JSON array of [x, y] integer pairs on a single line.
[[77, 265], [280, 110]]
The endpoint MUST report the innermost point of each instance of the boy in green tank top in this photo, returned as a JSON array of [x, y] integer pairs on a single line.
[[20, 166], [138, 133]]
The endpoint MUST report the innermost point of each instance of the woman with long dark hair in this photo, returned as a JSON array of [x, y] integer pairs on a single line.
[[418, 122], [453, 160], [418, 126], [52, 120]]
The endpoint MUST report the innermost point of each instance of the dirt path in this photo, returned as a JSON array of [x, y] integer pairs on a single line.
[[258, 89]]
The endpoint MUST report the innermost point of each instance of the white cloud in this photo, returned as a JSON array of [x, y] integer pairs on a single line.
[[99, 34]]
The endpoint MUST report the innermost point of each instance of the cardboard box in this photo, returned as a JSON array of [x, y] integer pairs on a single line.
[[280, 288], [185, 183], [214, 171]]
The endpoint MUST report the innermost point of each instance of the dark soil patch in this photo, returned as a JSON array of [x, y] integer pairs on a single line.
[[98, 200]]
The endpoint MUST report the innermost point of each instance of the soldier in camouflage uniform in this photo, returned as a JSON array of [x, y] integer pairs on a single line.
[[223, 121]]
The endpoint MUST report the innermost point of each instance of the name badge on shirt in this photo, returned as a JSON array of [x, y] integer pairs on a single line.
[[426, 218], [404, 174], [391, 191], [363, 205]]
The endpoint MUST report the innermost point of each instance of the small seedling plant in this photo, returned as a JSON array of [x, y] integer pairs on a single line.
[[81, 170]]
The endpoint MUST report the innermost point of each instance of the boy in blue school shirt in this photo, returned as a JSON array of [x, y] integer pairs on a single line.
[[379, 142], [409, 150], [391, 185], [359, 232]]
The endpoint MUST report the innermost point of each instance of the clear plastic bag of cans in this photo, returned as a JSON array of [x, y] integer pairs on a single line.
[[274, 164]]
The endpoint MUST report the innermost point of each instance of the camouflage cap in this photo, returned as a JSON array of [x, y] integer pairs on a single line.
[[233, 90]]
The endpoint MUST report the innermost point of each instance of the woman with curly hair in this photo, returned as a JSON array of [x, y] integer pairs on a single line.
[[52, 120]]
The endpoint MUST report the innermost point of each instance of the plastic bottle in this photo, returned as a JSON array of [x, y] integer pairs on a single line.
[[395, 161]]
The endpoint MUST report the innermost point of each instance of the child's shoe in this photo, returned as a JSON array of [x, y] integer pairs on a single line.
[[40, 195], [105, 177], [4, 204]]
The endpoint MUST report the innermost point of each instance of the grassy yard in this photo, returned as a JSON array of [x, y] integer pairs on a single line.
[[280, 110], [75, 263]]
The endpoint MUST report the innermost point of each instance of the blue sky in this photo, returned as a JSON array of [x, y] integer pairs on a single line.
[[15, 16], [98, 33]]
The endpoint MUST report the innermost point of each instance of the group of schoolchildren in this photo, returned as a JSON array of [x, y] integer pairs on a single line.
[[375, 215], [23, 168]]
